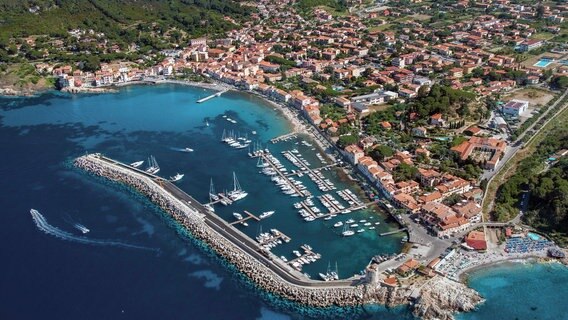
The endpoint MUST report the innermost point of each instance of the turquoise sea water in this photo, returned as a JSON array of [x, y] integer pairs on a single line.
[[522, 291]]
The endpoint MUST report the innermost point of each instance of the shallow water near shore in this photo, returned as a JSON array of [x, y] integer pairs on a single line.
[[44, 275], [521, 290]]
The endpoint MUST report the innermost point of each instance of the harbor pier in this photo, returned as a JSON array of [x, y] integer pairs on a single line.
[[217, 94]]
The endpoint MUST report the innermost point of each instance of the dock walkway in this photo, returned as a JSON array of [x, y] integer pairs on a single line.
[[216, 94], [283, 137]]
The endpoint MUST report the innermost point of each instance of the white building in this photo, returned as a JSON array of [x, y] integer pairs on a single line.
[[515, 108]]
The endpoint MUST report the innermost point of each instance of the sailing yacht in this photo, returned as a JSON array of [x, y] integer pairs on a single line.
[[153, 166], [237, 193], [261, 163], [346, 232], [212, 194]]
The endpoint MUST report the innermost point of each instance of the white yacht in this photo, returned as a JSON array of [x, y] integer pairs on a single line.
[[137, 164], [266, 214], [346, 232], [153, 166], [177, 177], [237, 193]]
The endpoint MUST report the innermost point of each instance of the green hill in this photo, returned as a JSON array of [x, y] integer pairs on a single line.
[[54, 17]]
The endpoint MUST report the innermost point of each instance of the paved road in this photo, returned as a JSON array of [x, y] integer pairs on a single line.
[[244, 242]]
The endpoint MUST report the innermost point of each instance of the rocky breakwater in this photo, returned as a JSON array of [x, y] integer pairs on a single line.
[[440, 298], [193, 221]]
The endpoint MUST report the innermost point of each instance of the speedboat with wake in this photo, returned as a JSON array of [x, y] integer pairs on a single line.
[[177, 177], [81, 228]]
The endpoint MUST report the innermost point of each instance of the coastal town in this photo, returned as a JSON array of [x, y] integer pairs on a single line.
[[426, 102]]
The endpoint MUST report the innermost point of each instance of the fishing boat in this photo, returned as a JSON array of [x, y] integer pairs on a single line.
[[346, 232], [338, 224], [177, 177], [82, 228], [137, 164], [153, 166], [266, 214], [237, 193]]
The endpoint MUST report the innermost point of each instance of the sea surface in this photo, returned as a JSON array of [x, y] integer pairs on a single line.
[[135, 263], [521, 291]]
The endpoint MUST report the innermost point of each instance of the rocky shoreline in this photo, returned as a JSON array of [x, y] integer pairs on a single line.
[[438, 300]]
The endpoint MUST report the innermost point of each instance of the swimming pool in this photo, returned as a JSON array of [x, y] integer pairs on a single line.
[[533, 236], [543, 63]]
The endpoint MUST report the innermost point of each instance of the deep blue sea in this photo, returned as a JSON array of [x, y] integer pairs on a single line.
[[177, 278]]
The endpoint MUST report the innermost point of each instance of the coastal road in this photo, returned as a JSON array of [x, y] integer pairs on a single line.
[[242, 241]]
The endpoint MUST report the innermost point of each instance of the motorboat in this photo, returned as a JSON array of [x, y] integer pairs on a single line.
[[187, 150], [82, 228], [338, 224], [177, 177], [137, 164], [266, 214]]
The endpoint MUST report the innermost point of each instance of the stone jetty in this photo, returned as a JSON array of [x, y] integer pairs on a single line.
[[267, 274]]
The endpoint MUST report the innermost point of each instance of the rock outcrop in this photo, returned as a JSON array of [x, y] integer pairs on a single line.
[[441, 298]]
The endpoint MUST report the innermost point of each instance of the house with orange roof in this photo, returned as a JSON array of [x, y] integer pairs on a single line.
[[406, 201], [353, 153]]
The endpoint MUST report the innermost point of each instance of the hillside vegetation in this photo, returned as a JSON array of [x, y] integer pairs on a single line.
[[55, 17]]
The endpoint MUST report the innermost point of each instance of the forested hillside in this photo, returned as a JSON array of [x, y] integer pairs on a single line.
[[116, 17]]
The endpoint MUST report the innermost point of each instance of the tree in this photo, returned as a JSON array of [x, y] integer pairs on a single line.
[[560, 82], [405, 172], [346, 140], [92, 64], [381, 152]]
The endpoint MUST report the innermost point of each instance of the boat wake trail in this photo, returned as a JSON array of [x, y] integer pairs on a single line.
[[44, 226], [181, 149]]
